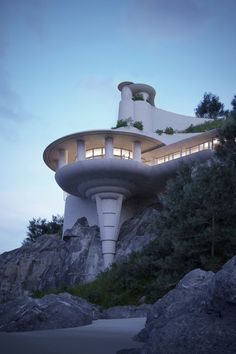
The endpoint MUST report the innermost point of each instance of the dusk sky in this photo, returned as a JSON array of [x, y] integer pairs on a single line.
[[61, 61]]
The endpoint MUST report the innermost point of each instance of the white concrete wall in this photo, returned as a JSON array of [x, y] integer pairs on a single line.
[[76, 208], [162, 119], [143, 112]]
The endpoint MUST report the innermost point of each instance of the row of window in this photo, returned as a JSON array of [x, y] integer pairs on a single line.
[[100, 153], [185, 152]]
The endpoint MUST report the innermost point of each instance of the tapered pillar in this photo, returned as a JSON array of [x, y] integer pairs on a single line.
[[108, 209]]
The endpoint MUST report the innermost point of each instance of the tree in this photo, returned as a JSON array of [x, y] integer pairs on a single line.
[[38, 227], [233, 103], [210, 107]]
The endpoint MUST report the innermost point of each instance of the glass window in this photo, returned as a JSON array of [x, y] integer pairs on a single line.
[[125, 154], [201, 147], [97, 152], [177, 155], [194, 149], [117, 152], [160, 160], [89, 154]]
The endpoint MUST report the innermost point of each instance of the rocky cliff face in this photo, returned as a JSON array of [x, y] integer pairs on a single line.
[[51, 263]]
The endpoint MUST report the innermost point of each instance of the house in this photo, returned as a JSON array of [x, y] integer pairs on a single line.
[[109, 174]]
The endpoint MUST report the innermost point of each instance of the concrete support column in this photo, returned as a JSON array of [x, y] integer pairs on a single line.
[[137, 151], [108, 147], [80, 150], [108, 209], [62, 158]]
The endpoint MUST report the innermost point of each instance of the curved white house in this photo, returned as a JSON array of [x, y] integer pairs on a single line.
[[109, 174]]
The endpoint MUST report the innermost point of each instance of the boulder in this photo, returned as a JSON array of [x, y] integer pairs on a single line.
[[198, 316], [50, 312]]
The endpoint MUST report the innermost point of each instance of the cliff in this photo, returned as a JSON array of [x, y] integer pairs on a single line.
[[51, 263]]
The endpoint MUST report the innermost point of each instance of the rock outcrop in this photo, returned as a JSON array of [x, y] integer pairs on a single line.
[[51, 263], [50, 312], [126, 311], [198, 316]]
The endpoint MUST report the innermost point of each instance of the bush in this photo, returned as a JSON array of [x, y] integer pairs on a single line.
[[137, 97], [169, 130], [121, 123], [159, 131], [138, 124]]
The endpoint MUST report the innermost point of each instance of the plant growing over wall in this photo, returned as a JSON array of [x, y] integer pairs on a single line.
[[121, 123], [137, 97], [128, 122], [159, 131], [169, 130], [138, 124]]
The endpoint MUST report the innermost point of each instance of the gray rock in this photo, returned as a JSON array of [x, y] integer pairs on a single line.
[[50, 312], [137, 232], [126, 311], [52, 263], [198, 316]]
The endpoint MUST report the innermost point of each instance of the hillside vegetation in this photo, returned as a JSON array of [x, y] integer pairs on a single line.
[[196, 229]]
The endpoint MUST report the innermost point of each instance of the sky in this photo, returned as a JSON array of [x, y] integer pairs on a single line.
[[61, 62]]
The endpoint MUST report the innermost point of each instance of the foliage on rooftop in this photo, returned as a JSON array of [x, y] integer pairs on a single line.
[[137, 97], [128, 122], [203, 127], [167, 130]]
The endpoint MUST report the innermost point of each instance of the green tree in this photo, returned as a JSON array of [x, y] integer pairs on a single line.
[[210, 107], [233, 103], [38, 227]]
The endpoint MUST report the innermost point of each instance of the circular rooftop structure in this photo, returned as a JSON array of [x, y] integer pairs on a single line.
[[139, 88]]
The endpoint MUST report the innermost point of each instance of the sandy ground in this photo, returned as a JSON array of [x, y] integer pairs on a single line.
[[102, 337]]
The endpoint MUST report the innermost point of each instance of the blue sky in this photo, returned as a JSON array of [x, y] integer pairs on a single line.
[[60, 63]]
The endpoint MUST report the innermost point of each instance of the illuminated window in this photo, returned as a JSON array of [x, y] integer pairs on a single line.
[[117, 152], [194, 149], [95, 153], [176, 155], [122, 153], [160, 160]]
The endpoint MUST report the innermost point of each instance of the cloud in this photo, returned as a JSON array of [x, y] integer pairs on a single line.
[[164, 19]]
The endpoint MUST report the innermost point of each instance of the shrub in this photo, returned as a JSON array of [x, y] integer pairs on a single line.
[[137, 97], [159, 131], [138, 124], [169, 130]]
